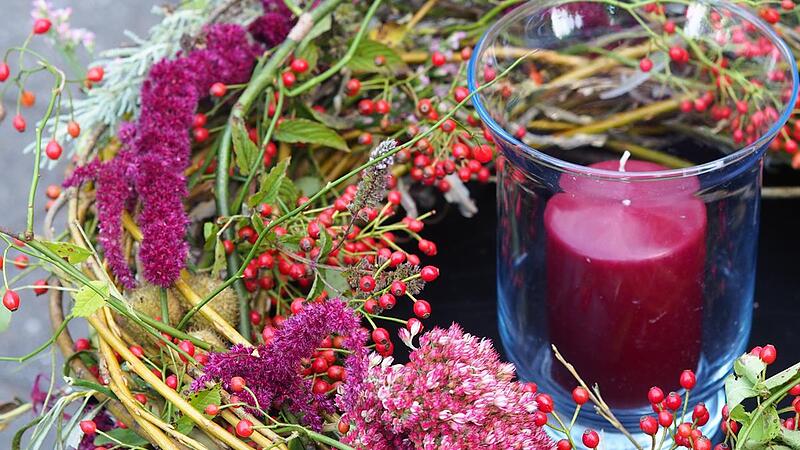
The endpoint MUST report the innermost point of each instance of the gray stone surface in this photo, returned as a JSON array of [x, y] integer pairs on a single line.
[[30, 325]]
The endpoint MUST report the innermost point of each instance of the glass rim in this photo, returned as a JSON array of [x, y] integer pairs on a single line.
[[579, 169]]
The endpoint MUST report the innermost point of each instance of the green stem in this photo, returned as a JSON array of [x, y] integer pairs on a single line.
[[223, 210], [164, 305], [773, 399], [260, 158], [334, 69], [254, 89], [332, 185], [41, 348], [37, 158]]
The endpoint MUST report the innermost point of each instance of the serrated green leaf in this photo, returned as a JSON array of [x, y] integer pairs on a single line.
[[288, 192], [765, 427], [322, 26], [750, 367], [336, 281], [270, 186], [123, 435], [72, 252], [306, 131], [364, 58], [739, 414], [308, 185], [737, 389], [88, 299], [780, 378], [199, 400], [244, 149], [790, 438]]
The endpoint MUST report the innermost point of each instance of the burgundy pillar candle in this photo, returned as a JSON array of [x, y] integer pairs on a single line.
[[625, 265]]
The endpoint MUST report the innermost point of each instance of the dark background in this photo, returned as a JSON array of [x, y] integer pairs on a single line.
[[465, 291]]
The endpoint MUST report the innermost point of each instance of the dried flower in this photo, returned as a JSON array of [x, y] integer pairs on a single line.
[[375, 179], [453, 394], [272, 371]]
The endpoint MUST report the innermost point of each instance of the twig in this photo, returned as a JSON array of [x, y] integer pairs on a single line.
[[334, 69], [599, 404], [169, 394], [120, 388], [220, 324], [334, 184], [625, 118], [780, 192]]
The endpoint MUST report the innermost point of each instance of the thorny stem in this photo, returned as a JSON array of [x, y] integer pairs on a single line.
[[332, 185]]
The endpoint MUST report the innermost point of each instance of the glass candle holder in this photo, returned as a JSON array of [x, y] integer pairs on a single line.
[[632, 137]]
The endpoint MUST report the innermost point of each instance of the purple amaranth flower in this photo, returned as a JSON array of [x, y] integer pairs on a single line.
[[272, 28], [156, 152], [272, 371], [454, 393]]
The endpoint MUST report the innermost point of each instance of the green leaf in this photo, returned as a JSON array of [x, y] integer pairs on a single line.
[[335, 122], [781, 378], [750, 367], [306, 131], [766, 427], [790, 438], [199, 400], [322, 26], [739, 414], [308, 185], [364, 58], [270, 185], [219, 258], [89, 299], [336, 281], [72, 252], [737, 389], [210, 231], [326, 243], [245, 150], [123, 435]]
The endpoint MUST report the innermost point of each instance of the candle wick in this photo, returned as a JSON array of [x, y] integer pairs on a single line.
[[624, 160]]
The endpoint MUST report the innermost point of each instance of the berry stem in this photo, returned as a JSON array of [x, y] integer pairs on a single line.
[[237, 203], [54, 96], [334, 69], [327, 188]]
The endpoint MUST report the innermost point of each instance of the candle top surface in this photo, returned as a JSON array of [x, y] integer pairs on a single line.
[[618, 221]]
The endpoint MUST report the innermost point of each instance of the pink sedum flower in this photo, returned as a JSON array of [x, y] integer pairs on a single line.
[[455, 393]]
